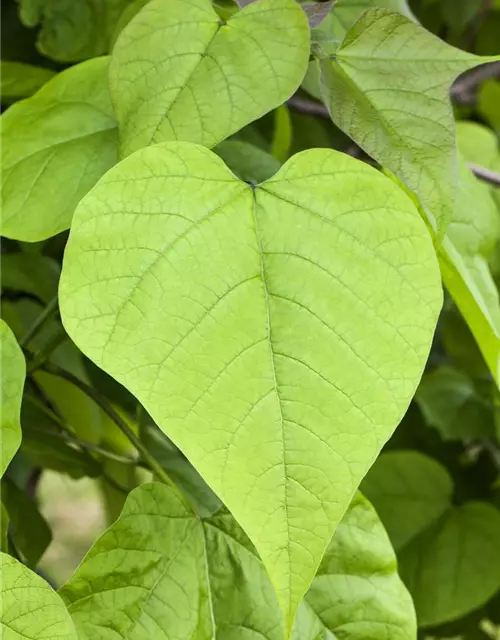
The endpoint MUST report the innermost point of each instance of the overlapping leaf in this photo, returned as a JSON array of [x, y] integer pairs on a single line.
[[213, 78], [55, 146], [13, 374], [448, 555], [299, 318], [29, 608], [387, 87], [160, 569], [20, 80]]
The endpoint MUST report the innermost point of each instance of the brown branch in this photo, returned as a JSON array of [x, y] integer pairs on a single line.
[[465, 87], [313, 108]]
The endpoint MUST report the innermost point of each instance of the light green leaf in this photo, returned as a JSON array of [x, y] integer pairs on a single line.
[[30, 273], [13, 375], [161, 569], [29, 608], [20, 80], [463, 257], [409, 491], [279, 366], [55, 146], [30, 532], [452, 402], [449, 556], [252, 64], [387, 87], [247, 161], [72, 31], [478, 144]]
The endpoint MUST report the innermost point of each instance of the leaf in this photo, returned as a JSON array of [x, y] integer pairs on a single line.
[[20, 80], [386, 87], [478, 144], [448, 555], [55, 146], [463, 258], [72, 31], [252, 63], [215, 585], [13, 375], [278, 371], [35, 274], [451, 402], [488, 98], [247, 161], [4, 528], [30, 532], [29, 608], [282, 136]]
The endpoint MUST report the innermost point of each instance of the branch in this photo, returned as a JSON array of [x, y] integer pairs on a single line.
[[313, 108], [464, 89]]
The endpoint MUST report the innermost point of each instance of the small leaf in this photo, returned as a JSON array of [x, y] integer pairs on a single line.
[[282, 135], [214, 78], [247, 161], [448, 555], [29, 608], [55, 146], [316, 12], [488, 100], [387, 87], [30, 532], [4, 528], [215, 585], [20, 80], [279, 366], [13, 375]]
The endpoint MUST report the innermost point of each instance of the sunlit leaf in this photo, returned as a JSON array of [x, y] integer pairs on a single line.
[[252, 63], [279, 366], [13, 374]]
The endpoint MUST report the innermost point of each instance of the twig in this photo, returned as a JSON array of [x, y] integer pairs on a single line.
[[310, 107], [39, 322], [153, 464]]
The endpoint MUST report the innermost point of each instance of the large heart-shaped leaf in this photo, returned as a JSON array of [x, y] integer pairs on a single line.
[[55, 146], [13, 374], [29, 608], [213, 78], [387, 86], [276, 333], [449, 556], [159, 569]]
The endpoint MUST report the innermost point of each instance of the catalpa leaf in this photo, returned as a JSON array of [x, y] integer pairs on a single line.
[[448, 555], [386, 87], [20, 80], [29, 608], [463, 257], [299, 318], [252, 63], [210, 575], [55, 146], [13, 375], [248, 162]]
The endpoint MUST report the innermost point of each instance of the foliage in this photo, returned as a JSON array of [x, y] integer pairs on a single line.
[[229, 325]]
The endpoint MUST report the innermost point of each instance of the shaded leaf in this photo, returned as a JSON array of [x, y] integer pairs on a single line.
[[449, 556], [55, 145], [34, 273], [210, 575], [488, 100], [282, 372], [282, 135], [248, 63], [30, 532], [13, 374], [29, 608], [248, 162], [387, 87], [20, 80]]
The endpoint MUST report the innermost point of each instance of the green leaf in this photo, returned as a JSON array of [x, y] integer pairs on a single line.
[[4, 528], [30, 532], [247, 161], [488, 99], [72, 31], [463, 257], [449, 556], [387, 87], [55, 146], [13, 375], [282, 136], [160, 569], [478, 144], [251, 64], [34, 273], [29, 608], [450, 401], [20, 80], [279, 366]]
